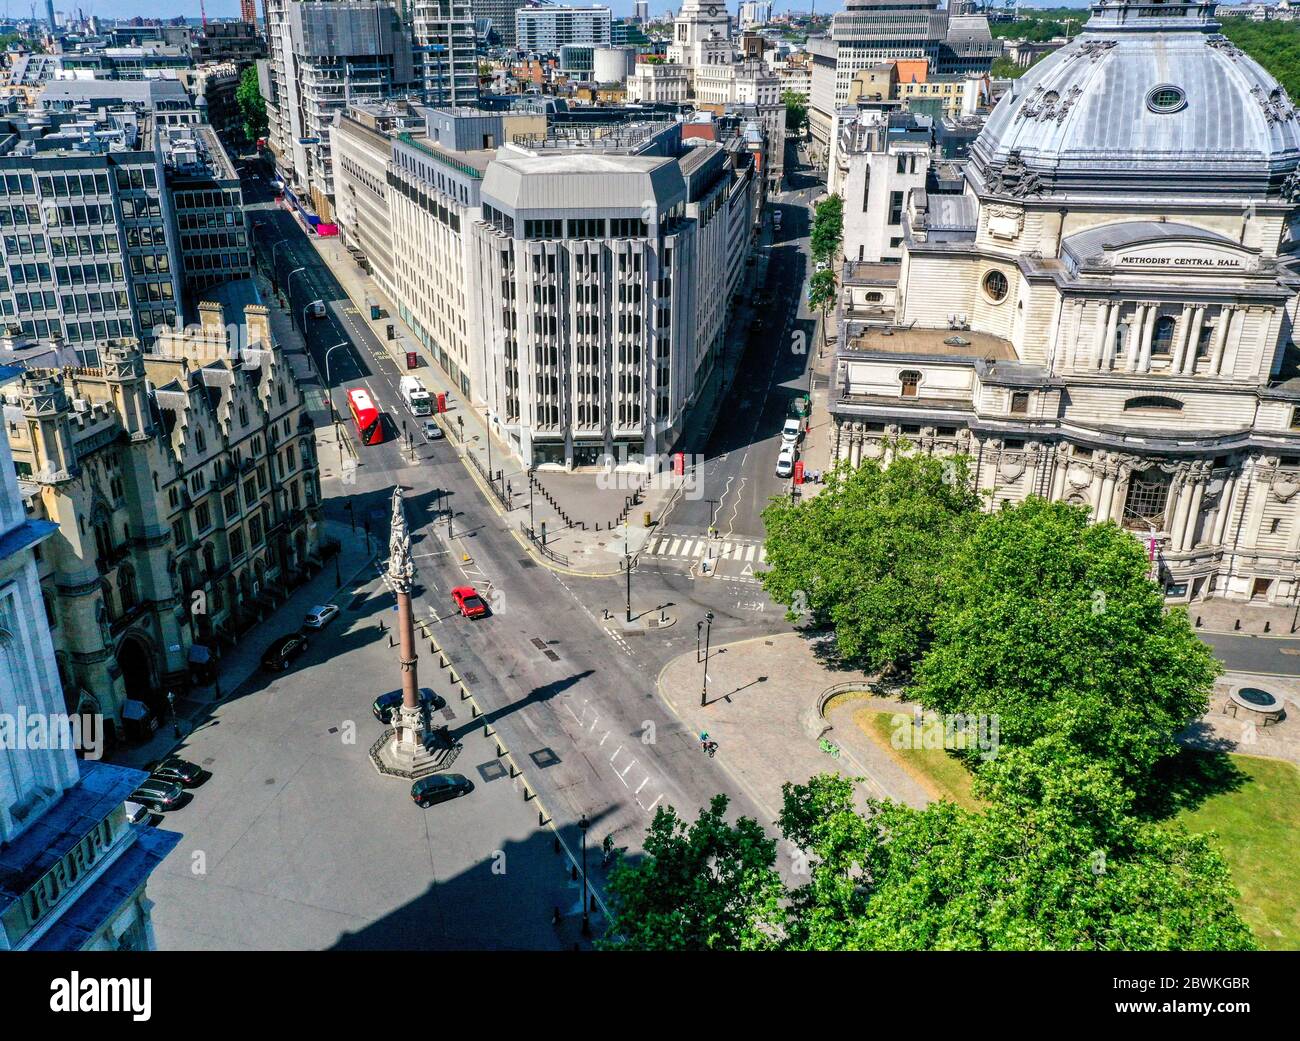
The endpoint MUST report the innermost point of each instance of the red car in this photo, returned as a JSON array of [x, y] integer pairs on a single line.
[[469, 603]]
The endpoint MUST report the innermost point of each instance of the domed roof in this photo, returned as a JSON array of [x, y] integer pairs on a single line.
[[1149, 99]]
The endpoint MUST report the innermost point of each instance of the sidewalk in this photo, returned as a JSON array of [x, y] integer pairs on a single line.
[[1219, 730], [763, 710], [590, 551], [1243, 618], [242, 660]]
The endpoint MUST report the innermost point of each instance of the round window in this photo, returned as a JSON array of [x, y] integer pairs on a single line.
[[1166, 98], [995, 285]]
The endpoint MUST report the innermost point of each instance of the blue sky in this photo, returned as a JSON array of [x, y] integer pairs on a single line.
[[230, 8]]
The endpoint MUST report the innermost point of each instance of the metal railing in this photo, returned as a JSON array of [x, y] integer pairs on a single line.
[[549, 554]]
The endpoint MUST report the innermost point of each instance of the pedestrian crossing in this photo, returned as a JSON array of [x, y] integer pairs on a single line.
[[698, 548]]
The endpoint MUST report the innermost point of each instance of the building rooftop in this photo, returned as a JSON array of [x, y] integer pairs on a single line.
[[950, 343]]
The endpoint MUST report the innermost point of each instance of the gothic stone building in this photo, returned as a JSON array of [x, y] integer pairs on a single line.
[[184, 483], [1105, 316]]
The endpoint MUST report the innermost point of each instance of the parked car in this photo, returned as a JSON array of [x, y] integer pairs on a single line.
[[791, 432], [158, 794], [431, 430], [182, 771], [283, 651], [468, 602], [136, 813], [386, 704], [320, 616], [785, 461], [436, 788]]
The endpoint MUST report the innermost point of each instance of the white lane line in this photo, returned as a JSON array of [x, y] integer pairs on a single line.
[[616, 751]]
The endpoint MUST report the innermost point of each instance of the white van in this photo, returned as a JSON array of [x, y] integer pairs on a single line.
[[785, 461]]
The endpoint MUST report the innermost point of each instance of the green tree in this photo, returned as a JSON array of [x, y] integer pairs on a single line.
[[866, 554], [1055, 863], [1053, 626], [1006, 69], [822, 289], [1275, 45], [710, 885], [252, 105], [796, 111], [827, 229]]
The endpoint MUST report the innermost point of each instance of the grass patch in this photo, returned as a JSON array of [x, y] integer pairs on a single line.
[[943, 775], [1257, 822]]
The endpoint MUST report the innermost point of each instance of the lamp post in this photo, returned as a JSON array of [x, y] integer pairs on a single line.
[[309, 303], [627, 566], [288, 289], [708, 632], [531, 529], [176, 723], [699, 629], [583, 825]]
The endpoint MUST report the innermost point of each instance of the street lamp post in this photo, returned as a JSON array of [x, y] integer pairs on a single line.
[[531, 529], [583, 825], [288, 290], [699, 629], [176, 723], [708, 632]]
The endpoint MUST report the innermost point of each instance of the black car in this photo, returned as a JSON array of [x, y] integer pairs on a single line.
[[386, 704], [158, 794], [182, 771], [283, 651], [436, 788]]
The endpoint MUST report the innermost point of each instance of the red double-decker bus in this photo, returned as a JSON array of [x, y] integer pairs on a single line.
[[366, 415]]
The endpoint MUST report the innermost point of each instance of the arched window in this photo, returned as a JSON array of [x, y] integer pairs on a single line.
[[209, 559], [126, 588], [1162, 338], [1153, 402], [103, 534], [909, 380]]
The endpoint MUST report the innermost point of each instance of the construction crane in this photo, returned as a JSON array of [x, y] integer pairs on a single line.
[[203, 14]]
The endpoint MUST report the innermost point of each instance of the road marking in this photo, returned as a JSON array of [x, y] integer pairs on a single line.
[[749, 552], [672, 552]]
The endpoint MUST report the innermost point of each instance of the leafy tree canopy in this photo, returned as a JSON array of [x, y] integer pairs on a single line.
[[1053, 864], [709, 885], [796, 110], [248, 95], [827, 228], [1053, 625], [866, 554]]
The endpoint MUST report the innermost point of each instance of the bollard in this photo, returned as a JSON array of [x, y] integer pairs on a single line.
[[1198, 621], [451, 675], [542, 822], [557, 844], [464, 692], [500, 751], [1266, 626], [515, 773], [663, 615], [382, 627], [1236, 625], [476, 712], [528, 796], [390, 639]]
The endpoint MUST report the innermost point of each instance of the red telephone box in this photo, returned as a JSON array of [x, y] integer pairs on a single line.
[[679, 463], [412, 360], [442, 402], [798, 472]]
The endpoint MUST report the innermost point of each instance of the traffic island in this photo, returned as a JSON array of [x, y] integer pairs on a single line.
[[651, 620]]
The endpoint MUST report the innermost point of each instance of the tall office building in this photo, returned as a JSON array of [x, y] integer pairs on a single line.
[[547, 29], [501, 13], [49, 14], [445, 48], [870, 32], [322, 54], [642, 11]]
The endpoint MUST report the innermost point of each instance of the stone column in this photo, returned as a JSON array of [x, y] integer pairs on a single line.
[[1224, 509], [1094, 492], [1180, 512], [1148, 333], [1133, 342], [1098, 353], [1108, 345], [1194, 511], [1180, 340], [1120, 494], [1227, 315], [1194, 336], [1106, 500], [1058, 476]]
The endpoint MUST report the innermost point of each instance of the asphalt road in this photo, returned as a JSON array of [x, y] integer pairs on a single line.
[[573, 701], [737, 475]]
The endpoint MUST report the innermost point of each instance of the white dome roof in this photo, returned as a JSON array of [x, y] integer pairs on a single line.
[[1149, 99]]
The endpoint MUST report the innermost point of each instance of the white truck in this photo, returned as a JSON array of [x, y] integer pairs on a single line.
[[418, 400]]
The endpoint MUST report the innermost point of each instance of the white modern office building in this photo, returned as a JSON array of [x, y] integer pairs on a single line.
[[1105, 317], [546, 29]]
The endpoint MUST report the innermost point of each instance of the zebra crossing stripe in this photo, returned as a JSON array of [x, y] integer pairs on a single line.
[[654, 550], [688, 550], [672, 550], [749, 552]]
